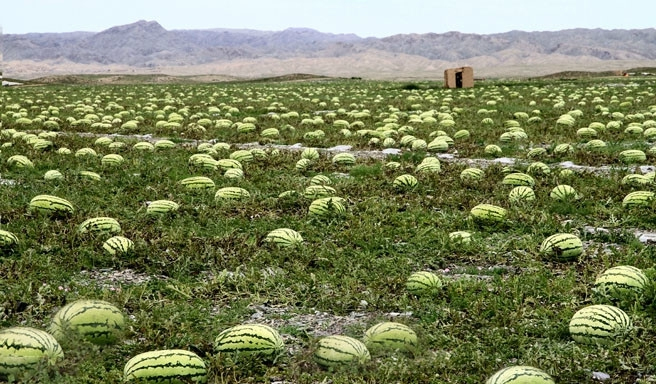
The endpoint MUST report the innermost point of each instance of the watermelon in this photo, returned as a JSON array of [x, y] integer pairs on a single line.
[[390, 336], [563, 192], [344, 158], [405, 182], [638, 199], [197, 183], [231, 193], [520, 374], [94, 320], [112, 160], [339, 350], [518, 179], [423, 283], [171, 366], [623, 280], [161, 207], [521, 194], [562, 247], [598, 324], [249, 339], [100, 225], [327, 206], [24, 348], [49, 204], [284, 237], [488, 214], [117, 245]]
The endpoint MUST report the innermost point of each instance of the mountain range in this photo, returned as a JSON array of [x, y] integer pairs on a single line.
[[147, 47]]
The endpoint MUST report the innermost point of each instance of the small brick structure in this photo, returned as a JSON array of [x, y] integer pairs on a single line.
[[462, 77]]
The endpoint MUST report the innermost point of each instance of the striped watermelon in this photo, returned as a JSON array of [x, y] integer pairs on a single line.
[[103, 141], [171, 366], [598, 324], [112, 160], [53, 174], [117, 145], [521, 194], [595, 145], [118, 244], [51, 205], [143, 146], [7, 239], [344, 158], [390, 336], [320, 180], [288, 194], [197, 183], [64, 151], [248, 339], [519, 374], [303, 164], [327, 206], [460, 237], [164, 144], [310, 154], [638, 199], [270, 133], [623, 280], [226, 164], [284, 237], [562, 246], [428, 167], [535, 153], [242, 155], [233, 174], [472, 175], [518, 179], [25, 348], [405, 182], [317, 191], [393, 165], [636, 180], [231, 193], [423, 283], [89, 175], [492, 150], [436, 145], [99, 225], [84, 152], [19, 161], [94, 320], [338, 349], [538, 168], [563, 149], [488, 213], [565, 173], [563, 192], [631, 156], [162, 207]]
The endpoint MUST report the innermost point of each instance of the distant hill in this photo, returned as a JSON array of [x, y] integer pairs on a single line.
[[146, 47]]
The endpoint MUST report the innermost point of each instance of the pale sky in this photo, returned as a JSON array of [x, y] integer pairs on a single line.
[[365, 18]]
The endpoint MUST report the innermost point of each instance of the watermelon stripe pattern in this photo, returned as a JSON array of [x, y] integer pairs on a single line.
[[161, 207], [51, 205], [98, 321], [249, 338], [562, 246], [23, 348], [118, 244], [405, 182], [166, 366], [7, 239], [197, 183], [423, 282], [339, 349], [638, 199], [284, 237], [390, 335], [488, 213], [520, 375], [327, 206], [598, 324], [622, 279], [100, 224]]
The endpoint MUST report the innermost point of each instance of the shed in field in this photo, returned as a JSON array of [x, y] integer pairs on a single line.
[[462, 77]]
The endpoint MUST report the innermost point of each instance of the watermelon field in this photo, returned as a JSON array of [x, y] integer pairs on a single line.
[[336, 231]]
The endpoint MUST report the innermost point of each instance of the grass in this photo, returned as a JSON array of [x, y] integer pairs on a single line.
[[206, 267]]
